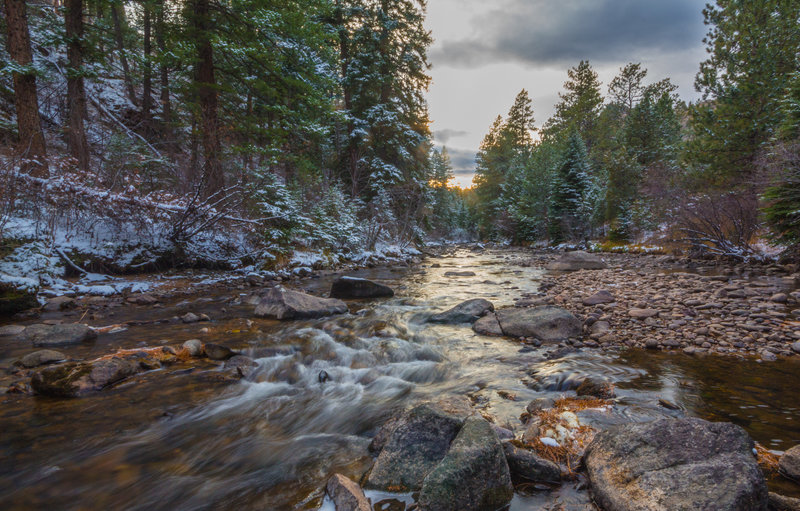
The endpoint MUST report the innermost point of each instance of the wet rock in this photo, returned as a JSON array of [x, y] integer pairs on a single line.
[[75, 379], [599, 329], [525, 464], [59, 335], [642, 313], [651, 344], [789, 464], [14, 299], [41, 357], [577, 260], [474, 475], [142, 299], [194, 347], [459, 274], [218, 351], [546, 323], [675, 464], [465, 312], [11, 330], [540, 403], [488, 325], [346, 494], [796, 347], [351, 287], [599, 298], [598, 389], [281, 303], [59, 303], [416, 444], [191, 317], [781, 503], [240, 365], [779, 298]]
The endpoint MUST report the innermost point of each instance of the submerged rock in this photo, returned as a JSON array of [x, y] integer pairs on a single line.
[[41, 357], [474, 474], [346, 494], [240, 365], [416, 444], [465, 312], [577, 260], [59, 335], [352, 287], [74, 379], [281, 303], [675, 464], [781, 503], [459, 274], [488, 325], [546, 323], [218, 351]]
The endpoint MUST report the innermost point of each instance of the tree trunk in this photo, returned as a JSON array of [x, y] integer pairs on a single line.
[[207, 95], [351, 156], [76, 95], [147, 79], [31, 139], [117, 15], [166, 107]]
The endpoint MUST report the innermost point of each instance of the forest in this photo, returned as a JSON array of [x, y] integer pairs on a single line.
[[140, 135]]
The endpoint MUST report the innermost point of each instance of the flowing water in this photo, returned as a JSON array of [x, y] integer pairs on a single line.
[[181, 438]]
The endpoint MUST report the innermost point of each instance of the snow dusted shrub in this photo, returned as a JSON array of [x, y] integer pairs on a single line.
[[723, 224], [333, 222]]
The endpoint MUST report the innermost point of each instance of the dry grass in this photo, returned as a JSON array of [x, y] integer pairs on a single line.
[[767, 460]]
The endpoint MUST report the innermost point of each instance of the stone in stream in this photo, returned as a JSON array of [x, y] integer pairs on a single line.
[[488, 325], [240, 365], [789, 464], [474, 475], [194, 347], [599, 298], [346, 494], [592, 388], [781, 503], [11, 330], [77, 378], [218, 351], [577, 260], [525, 464], [59, 303], [351, 287], [59, 335], [41, 357], [465, 312], [417, 442], [546, 323], [675, 464], [459, 274], [281, 303]]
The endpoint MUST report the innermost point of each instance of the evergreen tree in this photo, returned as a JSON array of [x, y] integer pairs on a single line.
[[579, 107], [753, 48], [569, 213], [626, 89]]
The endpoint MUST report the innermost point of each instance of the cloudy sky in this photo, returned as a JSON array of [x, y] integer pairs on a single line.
[[486, 51]]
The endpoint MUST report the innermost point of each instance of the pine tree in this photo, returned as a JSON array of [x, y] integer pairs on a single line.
[[753, 51], [626, 89], [569, 214], [519, 123], [579, 107]]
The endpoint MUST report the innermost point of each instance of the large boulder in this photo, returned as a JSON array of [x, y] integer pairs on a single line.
[[281, 303], [59, 335], [577, 260], [465, 312], [346, 495], [474, 474], [15, 299], [418, 441], [352, 287], [488, 325], [546, 323], [675, 464], [75, 379]]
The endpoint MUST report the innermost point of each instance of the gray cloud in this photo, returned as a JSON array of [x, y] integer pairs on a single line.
[[545, 32], [463, 160], [444, 136]]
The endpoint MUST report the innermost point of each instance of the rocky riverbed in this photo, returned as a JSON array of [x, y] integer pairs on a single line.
[[238, 395]]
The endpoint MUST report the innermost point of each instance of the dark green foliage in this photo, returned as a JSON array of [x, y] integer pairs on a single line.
[[569, 209]]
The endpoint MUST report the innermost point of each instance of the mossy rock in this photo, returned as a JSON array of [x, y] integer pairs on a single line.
[[13, 299]]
